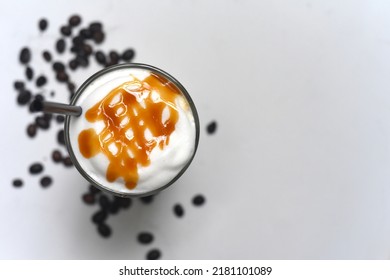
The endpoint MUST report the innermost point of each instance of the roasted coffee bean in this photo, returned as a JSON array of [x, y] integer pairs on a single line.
[[42, 122], [46, 56], [147, 199], [145, 238], [42, 24], [58, 66], [77, 41], [29, 73], [87, 49], [67, 162], [36, 105], [88, 198], [61, 137], [94, 190], [128, 55], [74, 20], [211, 127], [18, 85], [198, 200], [104, 230], [48, 116], [61, 76], [98, 37], [36, 168], [25, 55], [41, 81], [85, 33], [99, 217], [71, 87], [100, 58], [46, 181], [95, 27], [113, 208], [32, 130], [17, 183], [60, 45], [73, 64], [178, 210], [56, 156], [60, 118], [82, 61], [66, 30], [114, 57], [153, 254], [123, 202], [104, 202], [24, 97]]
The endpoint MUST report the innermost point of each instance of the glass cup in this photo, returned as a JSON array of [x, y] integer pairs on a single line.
[[138, 132]]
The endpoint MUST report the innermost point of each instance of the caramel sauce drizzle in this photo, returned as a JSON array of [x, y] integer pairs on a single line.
[[134, 125]]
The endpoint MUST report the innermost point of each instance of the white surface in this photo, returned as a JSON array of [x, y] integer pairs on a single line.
[[299, 166]]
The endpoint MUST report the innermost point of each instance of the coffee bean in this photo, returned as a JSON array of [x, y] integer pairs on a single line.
[[60, 119], [71, 87], [46, 56], [77, 41], [17, 183], [123, 202], [94, 190], [113, 208], [29, 73], [66, 30], [61, 76], [211, 127], [98, 37], [147, 199], [198, 200], [104, 202], [145, 238], [32, 130], [25, 55], [36, 105], [74, 20], [56, 156], [61, 137], [128, 55], [36, 168], [42, 24], [87, 49], [42, 122], [18, 85], [73, 64], [41, 81], [114, 56], [99, 217], [100, 58], [85, 33], [58, 66], [48, 116], [153, 254], [88, 198], [178, 210], [46, 181], [104, 230], [60, 46], [67, 162], [24, 97], [95, 27], [82, 61]]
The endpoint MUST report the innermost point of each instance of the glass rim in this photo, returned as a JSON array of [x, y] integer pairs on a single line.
[[92, 78]]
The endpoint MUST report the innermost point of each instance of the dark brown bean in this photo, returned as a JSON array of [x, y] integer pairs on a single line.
[[67, 162], [85, 33], [42, 24], [100, 58], [36, 168], [153, 254], [95, 27], [198, 200], [56, 156], [178, 210], [29, 73], [18, 85], [73, 64], [42, 122], [46, 56], [99, 217], [61, 76], [147, 199], [58, 66], [61, 137], [46, 181], [211, 127], [104, 230], [60, 119], [32, 130], [98, 37], [41, 81], [128, 55], [88, 198], [36, 105], [94, 190], [145, 238], [25, 55], [66, 30], [24, 97], [60, 45], [17, 183], [74, 20]]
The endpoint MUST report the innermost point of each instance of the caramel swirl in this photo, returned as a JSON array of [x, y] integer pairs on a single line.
[[138, 116]]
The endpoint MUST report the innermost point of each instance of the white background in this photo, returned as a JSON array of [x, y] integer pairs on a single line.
[[298, 169]]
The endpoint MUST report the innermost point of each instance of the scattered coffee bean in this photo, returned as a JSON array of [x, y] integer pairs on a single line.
[[17, 183], [42, 24], [94, 190], [73, 64], [74, 20], [32, 130], [62, 76], [60, 46], [88, 198], [104, 230], [29, 73], [46, 56], [99, 217], [41, 81], [36, 168], [71, 87], [67, 162], [36, 105], [95, 27], [98, 37], [56, 156], [198, 200], [85, 33], [114, 57], [25, 55], [24, 97], [18, 85], [48, 116], [147, 199], [77, 43], [124, 203], [113, 208], [87, 49], [128, 55], [46, 181], [66, 30], [82, 61], [153, 254], [42, 122], [61, 137], [60, 119], [178, 210], [58, 66], [100, 58], [211, 127], [104, 202], [145, 238]]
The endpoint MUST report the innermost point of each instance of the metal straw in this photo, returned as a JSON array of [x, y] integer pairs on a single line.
[[60, 108]]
